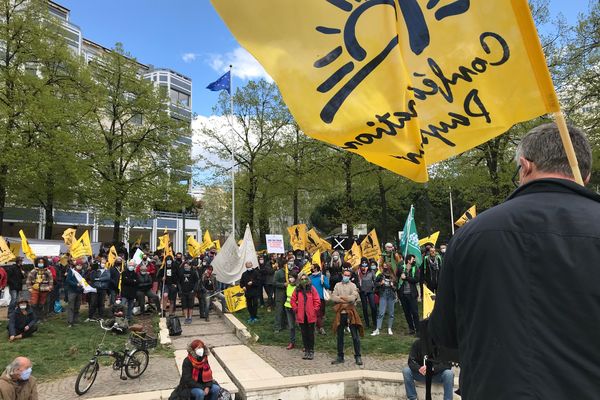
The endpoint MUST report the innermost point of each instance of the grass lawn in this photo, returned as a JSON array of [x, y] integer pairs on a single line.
[[58, 351], [383, 346]]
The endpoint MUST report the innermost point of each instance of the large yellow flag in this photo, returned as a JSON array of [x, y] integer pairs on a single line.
[[353, 255], [370, 246], [82, 246], [193, 247], [25, 246], [467, 216], [404, 84], [69, 236], [430, 239], [164, 242], [298, 236], [314, 242], [112, 257], [6, 255]]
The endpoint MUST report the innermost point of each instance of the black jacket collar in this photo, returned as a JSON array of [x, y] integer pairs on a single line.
[[554, 185]]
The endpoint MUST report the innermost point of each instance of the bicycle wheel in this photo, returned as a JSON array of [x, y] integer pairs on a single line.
[[136, 364], [86, 377]]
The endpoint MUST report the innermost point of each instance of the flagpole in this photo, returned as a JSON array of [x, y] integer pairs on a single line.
[[559, 118], [451, 212], [406, 231], [232, 153]]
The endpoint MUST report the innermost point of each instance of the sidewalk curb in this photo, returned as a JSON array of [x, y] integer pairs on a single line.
[[164, 332], [240, 330]]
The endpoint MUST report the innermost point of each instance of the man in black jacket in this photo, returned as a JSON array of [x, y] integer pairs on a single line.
[[518, 294], [442, 373], [251, 283], [16, 277]]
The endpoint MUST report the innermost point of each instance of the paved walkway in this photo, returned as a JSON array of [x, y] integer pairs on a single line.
[[290, 362]]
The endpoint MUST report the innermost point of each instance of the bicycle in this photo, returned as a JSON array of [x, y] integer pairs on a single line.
[[133, 361]]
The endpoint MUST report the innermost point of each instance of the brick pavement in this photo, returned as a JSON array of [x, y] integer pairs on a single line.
[[161, 374]]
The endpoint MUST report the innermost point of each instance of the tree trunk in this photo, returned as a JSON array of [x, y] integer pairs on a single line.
[[48, 210], [295, 204], [117, 221], [383, 205], [3, 172], [427, 208], [250, 200], [263, 221]]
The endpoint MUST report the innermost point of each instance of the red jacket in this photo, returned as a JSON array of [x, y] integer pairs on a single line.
[[306, 303], [3, 278]]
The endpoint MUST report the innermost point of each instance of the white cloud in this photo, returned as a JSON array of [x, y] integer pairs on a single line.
[[244, 64], [189, 57]]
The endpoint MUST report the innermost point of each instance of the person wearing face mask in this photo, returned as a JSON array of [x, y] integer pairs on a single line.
[[74, 293], [386, 283], [39, 283], [99, 278], [144, 289], [305, 303], [443, 250], [187, 284], [335, 269], [208, 285], [366, 279], [345, 296], [115, 277], [168, 276], [17, 383], [129, 284], [252, 285], [22, 322], [291, 316], [279, 286], [407, 292], [266, 275], [196, 382], [320, 282]]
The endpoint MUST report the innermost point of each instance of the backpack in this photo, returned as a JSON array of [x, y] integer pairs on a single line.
[[224, 394], [174, 325]]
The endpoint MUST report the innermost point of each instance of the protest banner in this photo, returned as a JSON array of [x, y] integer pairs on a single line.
[[235, 298], [275, 244]]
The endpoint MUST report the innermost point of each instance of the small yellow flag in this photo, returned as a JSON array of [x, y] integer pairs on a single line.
[[235, 298], [69, 236], [217, 244], [25, 246], [467, 216], [165, 243], [15, 248], [138, 242], [82, 246], [298, 236], [6, 255], [428, 301], [112, 257], [207, 241], [316, 258], [193, 247], [430, 239], [370, 246], [403, 83], [353, 255]]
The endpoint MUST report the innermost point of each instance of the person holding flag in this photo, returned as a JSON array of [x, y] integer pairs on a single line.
[[39, 283], [407, 292]]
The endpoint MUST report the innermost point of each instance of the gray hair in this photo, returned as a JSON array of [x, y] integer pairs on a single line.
[[543, 146], [12, 368]]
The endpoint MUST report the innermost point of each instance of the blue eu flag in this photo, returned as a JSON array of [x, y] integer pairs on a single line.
[[223, 83]]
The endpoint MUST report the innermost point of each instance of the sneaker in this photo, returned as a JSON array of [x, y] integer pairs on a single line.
[[375, 332], [311, 355], [256, 319], [322, 331], [250, 320], [390, 331], [305, 356], [338, 360], [348, 329], [358, 360], [290, 346]]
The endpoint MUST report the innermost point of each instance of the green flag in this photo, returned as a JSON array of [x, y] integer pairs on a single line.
[[409, 244]]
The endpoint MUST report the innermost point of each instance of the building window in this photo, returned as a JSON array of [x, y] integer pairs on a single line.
[[179, 98]]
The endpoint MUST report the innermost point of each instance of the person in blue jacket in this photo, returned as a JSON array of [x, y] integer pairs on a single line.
[[319, 282]]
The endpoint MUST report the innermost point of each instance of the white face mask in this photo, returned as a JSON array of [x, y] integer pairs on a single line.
[[200, 352], [335, 258], [102, 266], [23, 306], [117, 302], [131, 267]]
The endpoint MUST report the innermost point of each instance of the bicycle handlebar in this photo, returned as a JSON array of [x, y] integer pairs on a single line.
[[105, 328]]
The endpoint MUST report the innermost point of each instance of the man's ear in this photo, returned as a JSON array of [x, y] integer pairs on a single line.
[[527, 167]]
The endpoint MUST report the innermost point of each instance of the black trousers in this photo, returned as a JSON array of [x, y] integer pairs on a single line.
[[308, 335], [367, 301], [252, 304], [411, 311], [269, 291], [340, 337], [96, 303]]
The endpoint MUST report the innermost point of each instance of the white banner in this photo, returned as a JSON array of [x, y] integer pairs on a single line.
[[229, 264], [275, 244]]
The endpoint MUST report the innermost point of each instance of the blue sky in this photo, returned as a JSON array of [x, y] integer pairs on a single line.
[[189, 37]]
